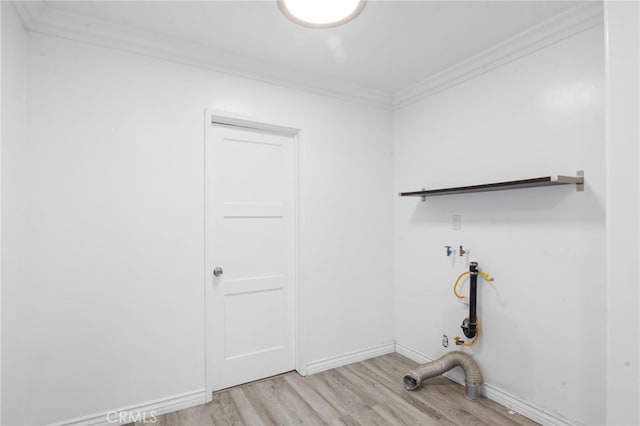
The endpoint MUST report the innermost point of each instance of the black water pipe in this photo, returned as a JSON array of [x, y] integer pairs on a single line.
[[470, 324]]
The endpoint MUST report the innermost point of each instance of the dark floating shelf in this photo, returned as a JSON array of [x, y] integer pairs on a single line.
[[502, 186]]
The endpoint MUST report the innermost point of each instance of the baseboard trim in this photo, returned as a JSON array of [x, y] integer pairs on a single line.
[[521, 406], [139, 412], [496, 394], [412, 354], [324, 364]]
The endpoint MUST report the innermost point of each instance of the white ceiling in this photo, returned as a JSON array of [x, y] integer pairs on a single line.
[[390, 46]]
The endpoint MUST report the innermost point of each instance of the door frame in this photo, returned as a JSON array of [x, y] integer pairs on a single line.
[[213, 118]]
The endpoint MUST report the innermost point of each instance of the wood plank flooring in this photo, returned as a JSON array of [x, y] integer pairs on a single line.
[[367, 393]]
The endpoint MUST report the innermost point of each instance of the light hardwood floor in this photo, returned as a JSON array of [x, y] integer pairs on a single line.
[[367, 393]]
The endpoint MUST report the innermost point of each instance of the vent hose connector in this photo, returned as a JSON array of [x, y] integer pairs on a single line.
[[472, 375]]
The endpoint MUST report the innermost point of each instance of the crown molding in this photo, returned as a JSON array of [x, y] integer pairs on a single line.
[[40, 18], [573, 21], [43, 19]]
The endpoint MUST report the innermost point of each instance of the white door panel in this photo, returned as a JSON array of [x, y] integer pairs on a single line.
[[250, 235], [254, 172]]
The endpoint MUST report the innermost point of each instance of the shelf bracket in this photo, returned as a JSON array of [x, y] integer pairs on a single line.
[[580, 186]]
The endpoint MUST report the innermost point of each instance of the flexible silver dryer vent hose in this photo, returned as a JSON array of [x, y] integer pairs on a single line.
[[472, 375]]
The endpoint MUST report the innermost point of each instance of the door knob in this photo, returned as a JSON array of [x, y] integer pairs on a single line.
[[218, 271]]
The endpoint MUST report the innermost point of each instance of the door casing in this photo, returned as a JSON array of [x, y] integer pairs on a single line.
[[224, 119]]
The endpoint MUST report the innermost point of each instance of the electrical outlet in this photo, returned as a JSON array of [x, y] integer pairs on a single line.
[[445, 341]]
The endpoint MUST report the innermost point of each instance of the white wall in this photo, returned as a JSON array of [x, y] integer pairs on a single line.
[[543, 319], [623, 254], [114, 224], [102, 226], [14, 71]]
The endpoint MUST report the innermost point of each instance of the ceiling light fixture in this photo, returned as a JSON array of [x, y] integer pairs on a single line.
[[321, 13]]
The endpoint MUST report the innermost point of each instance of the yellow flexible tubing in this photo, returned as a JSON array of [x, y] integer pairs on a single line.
[[484, 275], [455, 285]]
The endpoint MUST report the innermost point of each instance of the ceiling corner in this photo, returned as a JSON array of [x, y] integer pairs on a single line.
[[40, 18], [573, 21]]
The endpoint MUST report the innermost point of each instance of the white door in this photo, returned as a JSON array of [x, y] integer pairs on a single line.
[[250, 234]]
